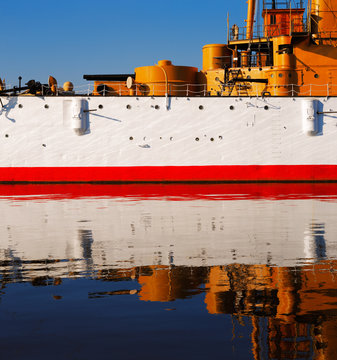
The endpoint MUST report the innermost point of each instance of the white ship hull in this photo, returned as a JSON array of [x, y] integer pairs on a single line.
[[86, 138]]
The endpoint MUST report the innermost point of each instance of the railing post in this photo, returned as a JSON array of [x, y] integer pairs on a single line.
[[327, 90], [120, 90], [187, 90], [205, 90]]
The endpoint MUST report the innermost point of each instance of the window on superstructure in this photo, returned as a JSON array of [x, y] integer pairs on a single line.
[[272, 19]]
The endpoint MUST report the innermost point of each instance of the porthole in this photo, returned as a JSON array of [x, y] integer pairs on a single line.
[[157, 107], [20, 106], [100, 106], [131, 138], [272, 75], [6, 135], [266, 107], [220, 137], [212, 139], [280, 75], [128, 107], [201, 107], [197, 139], [44, 145], [46, 106], [316, 76], [231, 107]]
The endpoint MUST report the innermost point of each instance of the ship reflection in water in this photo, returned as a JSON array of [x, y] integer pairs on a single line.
[[163, 271]]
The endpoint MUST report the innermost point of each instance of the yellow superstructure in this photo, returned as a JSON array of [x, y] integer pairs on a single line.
[[291, 56]]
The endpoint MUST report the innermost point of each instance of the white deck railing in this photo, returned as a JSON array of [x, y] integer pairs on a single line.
[[239, 89]]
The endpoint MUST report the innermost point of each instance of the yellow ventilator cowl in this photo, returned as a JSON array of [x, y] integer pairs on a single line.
[[52, 82], [68, 86]]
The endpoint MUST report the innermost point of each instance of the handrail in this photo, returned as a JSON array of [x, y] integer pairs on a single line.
[[201, 90], [282, 4], [270, 30]]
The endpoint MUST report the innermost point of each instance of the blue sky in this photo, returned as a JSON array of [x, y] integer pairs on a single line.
[[70, 38]]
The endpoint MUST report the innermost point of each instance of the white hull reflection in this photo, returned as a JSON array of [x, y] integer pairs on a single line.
[[81, 235]]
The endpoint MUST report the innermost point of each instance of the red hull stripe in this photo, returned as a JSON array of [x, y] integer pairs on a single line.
[[171, 173], [172, 192]]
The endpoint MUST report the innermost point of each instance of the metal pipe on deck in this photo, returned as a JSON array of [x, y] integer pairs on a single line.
[[250, 19]]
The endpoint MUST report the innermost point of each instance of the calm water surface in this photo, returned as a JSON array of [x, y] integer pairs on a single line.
[[163, 272]]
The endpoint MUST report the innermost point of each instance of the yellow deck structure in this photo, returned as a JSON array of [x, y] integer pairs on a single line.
[[292, 55]]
